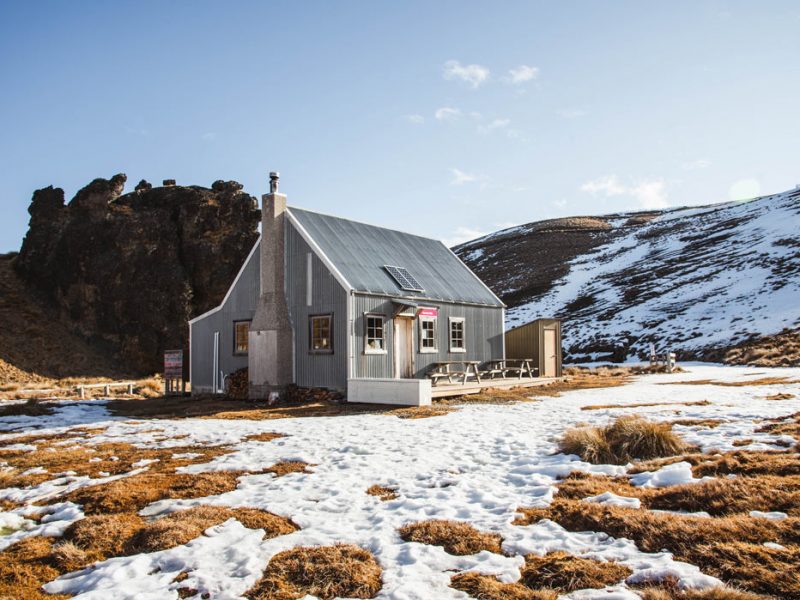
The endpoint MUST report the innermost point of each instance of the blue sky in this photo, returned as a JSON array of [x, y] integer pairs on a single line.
[[446, 119]]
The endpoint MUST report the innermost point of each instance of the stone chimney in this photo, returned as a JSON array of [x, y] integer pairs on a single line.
[[271, 347]]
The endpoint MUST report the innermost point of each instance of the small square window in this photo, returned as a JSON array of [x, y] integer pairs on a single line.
[[321, 334], [457, 335], [241, 333], [375, 340], [427, 334]]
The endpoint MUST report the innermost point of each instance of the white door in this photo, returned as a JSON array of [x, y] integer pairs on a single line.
[[215, 364], [549, 352], [403, 348]]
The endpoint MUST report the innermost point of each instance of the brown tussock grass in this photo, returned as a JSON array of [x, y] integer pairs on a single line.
[[788, 425], [780, 396], [668, 590], [486, 587], [740, 462], [137, 491], [566, 573], [718, 497], [31, 408], [104, 535], [180, 527], [86, 459], [422, 412], [641, 404], [454, 536], [327, 572], [584, 379], [730, 548], [284, 467], [742, 442], [266, 436], [746, 383], [710, 423], [27, 565], [628, 438], [383, 493], [495, 396]]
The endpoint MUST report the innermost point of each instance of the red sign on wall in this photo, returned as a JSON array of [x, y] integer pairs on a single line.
[[428, 312]]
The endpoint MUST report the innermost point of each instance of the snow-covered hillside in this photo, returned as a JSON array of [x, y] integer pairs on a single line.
[[691, 280]]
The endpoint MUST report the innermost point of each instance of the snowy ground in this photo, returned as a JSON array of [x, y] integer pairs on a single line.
[[477, 464]]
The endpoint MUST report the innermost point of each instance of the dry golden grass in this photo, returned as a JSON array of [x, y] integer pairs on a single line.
[[68, 557], [384, 493], [137, 491], [739, 462], [628, 438], [566, 573], [744, 383], [31, 408], [640, 404], [325, 571], [284, 467], [455, 537], [718, 497], [710, 423], [422, 412], [583, 379], [73, 452], [788, 425], [104, 535], [730, 548], [668, 590], [495, 396], [780, 396], [266, 436], [25, 566], [183, 526], [486, 587]]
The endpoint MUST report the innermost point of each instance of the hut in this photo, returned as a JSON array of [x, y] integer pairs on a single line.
[[540, 341]]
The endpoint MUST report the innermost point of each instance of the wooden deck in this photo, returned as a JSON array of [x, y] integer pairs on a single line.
[[448, 390]]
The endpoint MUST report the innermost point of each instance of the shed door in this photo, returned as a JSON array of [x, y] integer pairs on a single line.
[[549, 352], [403, 348]]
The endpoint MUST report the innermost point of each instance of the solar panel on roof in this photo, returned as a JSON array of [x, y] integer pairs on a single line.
[[404, 279]]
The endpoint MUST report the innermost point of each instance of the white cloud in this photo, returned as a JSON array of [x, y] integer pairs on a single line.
[[522, 74], [650, 194], [494, 125], [447, 113], [571, 113], [700, 163], [744, 189], [415, 119], [474, 75], [461, 235], [608, 185], [460, 177]]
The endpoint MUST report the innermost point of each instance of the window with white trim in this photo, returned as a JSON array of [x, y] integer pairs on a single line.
[[320, 334], [375, 338], [427, 334], [457, 343]]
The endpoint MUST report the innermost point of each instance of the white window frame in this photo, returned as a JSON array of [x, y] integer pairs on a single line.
[[450, 322], [423, 349], [367, 349]]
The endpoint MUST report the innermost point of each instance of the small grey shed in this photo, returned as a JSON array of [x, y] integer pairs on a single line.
[[328, 302], [539, 340]]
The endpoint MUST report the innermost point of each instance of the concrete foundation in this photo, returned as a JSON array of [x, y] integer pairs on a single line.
[[401, 392]]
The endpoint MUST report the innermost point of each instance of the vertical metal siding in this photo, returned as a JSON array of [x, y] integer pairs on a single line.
[[483, 330], [327, 297], [240, 306]]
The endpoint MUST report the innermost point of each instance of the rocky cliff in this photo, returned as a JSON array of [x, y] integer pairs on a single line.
[[717, 282], [127, 271]]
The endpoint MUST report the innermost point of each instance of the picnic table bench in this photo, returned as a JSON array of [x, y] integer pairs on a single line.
[[503, 366], [444, 369]]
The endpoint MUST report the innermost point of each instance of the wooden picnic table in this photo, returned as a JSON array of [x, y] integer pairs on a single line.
[[442, 369], [503, 366]]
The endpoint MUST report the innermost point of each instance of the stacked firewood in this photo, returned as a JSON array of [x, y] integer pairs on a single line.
[[236, 384]]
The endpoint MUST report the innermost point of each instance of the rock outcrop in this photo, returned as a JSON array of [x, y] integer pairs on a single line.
[[127, 271]]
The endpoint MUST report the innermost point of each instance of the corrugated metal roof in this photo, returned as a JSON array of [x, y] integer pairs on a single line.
[[361, 251]]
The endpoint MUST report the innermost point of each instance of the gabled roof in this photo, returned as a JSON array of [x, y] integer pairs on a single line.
[[359, 253]]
